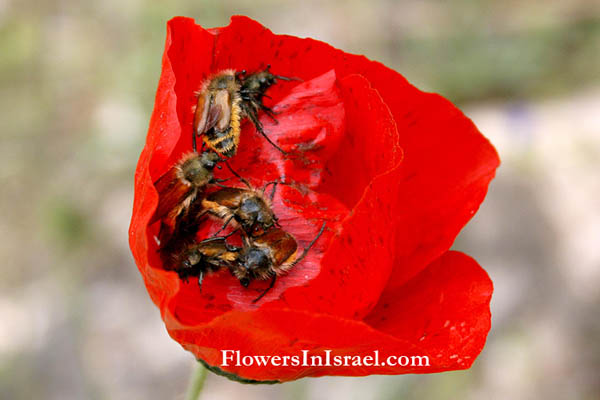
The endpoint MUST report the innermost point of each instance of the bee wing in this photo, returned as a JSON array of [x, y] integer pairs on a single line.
[[201, 115], [213, 248], [171, 193], [283, 246], [216, 252], [285, 252], [208, 114], [212, 110], [222, 101], [228, 197]]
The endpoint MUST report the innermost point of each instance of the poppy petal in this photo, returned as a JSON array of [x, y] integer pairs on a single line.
[[449, 301]]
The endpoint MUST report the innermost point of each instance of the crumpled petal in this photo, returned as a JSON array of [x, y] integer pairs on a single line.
[[443, 313]]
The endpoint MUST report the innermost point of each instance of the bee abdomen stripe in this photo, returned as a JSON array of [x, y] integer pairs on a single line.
[[224, 145]]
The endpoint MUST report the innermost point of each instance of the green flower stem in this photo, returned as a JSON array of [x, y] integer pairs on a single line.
[[196, 383]]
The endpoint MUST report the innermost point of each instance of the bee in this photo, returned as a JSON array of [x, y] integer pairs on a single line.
[[207, 256], [252, 91], [268, 256], [219, 113], [180, 185], [224, 100], [263, 257], [175, 237], [249, 208]]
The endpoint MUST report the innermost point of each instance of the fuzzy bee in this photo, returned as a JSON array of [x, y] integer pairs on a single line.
[[252, 91], [176, 236], [224, 100], [249, 208], [180, 185], [206, 256], [268, 256], [264, 257]]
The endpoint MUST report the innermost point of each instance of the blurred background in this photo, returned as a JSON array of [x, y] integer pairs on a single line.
[[77, 89]]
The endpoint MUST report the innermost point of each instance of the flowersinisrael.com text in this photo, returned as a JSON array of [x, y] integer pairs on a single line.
[[235, 358]]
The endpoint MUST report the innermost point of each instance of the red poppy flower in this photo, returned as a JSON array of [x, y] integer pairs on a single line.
[[394, 172]]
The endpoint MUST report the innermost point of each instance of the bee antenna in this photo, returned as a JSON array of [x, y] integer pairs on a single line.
[[237, 175], [266, 290], [297, 260]]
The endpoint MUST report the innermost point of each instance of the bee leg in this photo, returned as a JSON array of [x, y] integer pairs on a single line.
[[217, 182], [183, 275], [270, 113], [211, 239], [274, 183], [305, 252], [244, 181], [214, 238], [259, 128], [273, 192], [232, 248], [232, 233], [265, 292], [287, 78], [224, 226]]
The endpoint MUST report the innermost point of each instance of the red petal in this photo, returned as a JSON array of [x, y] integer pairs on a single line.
[[359, 261], [442, 313]]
